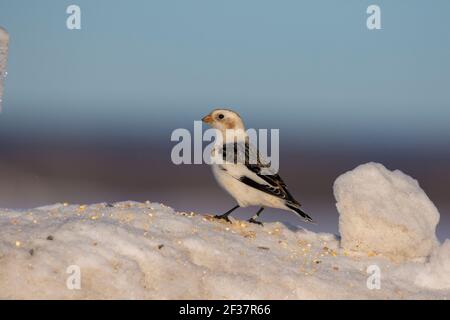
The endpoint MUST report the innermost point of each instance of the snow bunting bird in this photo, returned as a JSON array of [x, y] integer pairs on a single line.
[[250, 183]]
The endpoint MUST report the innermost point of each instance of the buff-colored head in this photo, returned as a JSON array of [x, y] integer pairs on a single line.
[[228, 122], [222, 119]]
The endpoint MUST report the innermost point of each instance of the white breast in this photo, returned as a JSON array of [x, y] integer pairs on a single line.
[[244, 195]]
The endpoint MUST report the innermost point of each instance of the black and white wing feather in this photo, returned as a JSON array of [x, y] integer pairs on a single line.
[[249, 168]]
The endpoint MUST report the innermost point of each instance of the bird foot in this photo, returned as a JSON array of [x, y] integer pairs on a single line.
[[251, 220], [223, 217]]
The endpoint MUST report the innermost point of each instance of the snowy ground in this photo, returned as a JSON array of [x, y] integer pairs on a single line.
[[134, 250], [146, 250]]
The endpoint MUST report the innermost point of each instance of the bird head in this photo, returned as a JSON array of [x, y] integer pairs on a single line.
[[228, 122]]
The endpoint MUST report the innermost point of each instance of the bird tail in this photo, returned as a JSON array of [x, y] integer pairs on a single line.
[[295, 208]]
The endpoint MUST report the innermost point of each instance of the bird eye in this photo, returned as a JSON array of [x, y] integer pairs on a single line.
[[221, 116]]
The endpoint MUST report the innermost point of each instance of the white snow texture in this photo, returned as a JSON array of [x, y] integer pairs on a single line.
[[437, 272], [146, 250], [385, 212]]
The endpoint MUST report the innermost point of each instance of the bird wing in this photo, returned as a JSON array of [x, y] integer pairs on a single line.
[[246, 164]]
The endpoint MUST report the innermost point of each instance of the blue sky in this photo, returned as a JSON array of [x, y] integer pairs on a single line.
[[309, 67]]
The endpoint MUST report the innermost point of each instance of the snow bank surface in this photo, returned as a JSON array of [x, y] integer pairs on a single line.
[[437, 272], [4, 39], [147, 250], [385, 212]]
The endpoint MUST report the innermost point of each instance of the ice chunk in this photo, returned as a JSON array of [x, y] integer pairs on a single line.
[[385, 212], [4, 40]]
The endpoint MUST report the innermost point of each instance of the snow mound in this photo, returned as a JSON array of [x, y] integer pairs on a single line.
[[133, 250], [385, 212], [437, 272]]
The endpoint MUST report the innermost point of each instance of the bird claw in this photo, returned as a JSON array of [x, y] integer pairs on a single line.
[[223, 217], [251, 220]]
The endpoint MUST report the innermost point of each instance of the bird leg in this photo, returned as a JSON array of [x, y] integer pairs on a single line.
[[226, 214], [253, 219]]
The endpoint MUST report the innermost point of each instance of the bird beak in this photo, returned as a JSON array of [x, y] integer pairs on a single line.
[[207, 119]]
